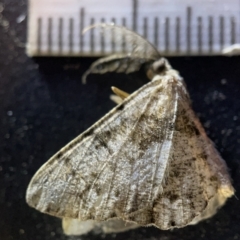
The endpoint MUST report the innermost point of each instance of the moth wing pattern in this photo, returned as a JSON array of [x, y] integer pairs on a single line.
[[197, 183], [116, 167], [148, 161]]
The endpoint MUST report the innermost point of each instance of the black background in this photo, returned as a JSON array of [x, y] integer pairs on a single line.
[[43, 105]]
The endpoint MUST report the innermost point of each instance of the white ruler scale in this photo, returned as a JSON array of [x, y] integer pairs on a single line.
[[175, 27]]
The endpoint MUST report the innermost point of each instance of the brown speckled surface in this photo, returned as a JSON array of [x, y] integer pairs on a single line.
[[43, 105]]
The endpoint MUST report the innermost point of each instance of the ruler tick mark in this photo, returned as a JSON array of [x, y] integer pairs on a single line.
[[221, 34], [156, 26], [102, 37], [92, 21], [178, 27], [199, 34], [113, 37], [82, 15], [49, 35], [233, 30], [210, 33], [188, 30], [71, 30], [167, 20], [39, 35], [60, 34], [134, 15]]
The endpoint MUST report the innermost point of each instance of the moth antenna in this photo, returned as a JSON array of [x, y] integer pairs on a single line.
[[84, 76], [138, 51], [131, 37]]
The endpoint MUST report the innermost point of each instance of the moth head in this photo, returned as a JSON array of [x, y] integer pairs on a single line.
[[158, 67]]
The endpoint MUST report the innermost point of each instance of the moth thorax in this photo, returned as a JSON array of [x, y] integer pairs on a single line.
[[159, 67]]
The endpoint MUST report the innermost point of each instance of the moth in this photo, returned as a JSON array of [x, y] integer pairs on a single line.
[[148, 162]]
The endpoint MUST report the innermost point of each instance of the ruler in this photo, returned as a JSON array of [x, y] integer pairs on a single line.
[[175, 27]]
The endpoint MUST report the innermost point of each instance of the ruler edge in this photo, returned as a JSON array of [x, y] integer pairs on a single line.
[[100, 54]]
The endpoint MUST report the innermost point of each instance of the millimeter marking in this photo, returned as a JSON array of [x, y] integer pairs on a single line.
[[178, 27]]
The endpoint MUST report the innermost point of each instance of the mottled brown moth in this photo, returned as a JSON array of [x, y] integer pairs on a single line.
[[148, 162]]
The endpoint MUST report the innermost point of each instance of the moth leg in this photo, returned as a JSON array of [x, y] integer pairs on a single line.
[[116, 99], [119, 95]]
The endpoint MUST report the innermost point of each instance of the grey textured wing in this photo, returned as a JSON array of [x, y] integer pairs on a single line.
[[114, 169], [198, 182]]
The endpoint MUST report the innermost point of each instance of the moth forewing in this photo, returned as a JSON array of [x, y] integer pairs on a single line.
[[96, 171]]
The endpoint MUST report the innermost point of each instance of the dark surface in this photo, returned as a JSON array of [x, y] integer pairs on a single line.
[[44, 105]]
